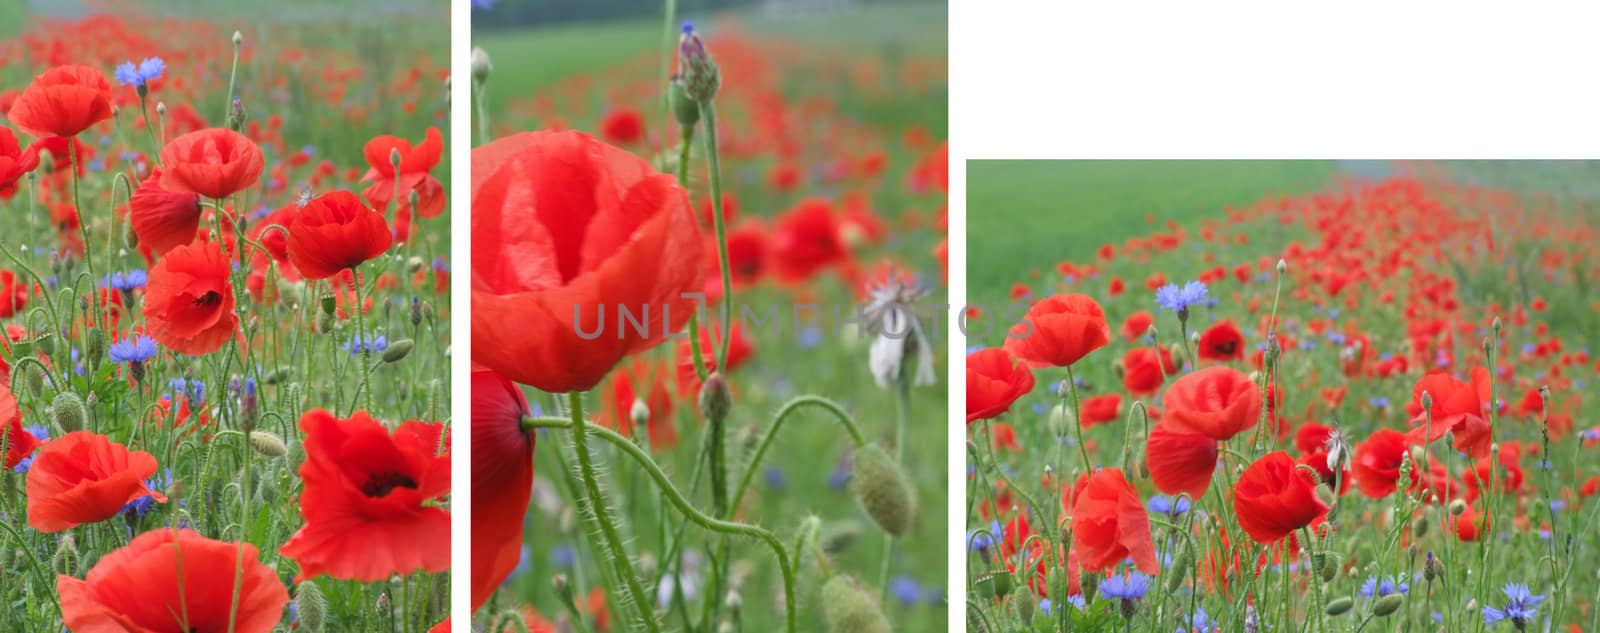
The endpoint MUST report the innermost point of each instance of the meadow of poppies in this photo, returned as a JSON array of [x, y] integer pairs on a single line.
[[224, 397], [708, 389], [1353, 401]]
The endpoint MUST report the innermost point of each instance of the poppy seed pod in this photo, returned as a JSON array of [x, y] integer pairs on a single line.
[[267, 444], [715, 400], [67, 410], [311, 606], [994, 584], [1340, 606], [883, 490], [850, 609]]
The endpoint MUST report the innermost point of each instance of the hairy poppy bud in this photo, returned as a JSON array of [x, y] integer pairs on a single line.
[[480, 65], [1282, 266], [714, 397], [1387, 605], [238, 38], [684, 109], [639, 413], [1419, 526], [1328, 566], [850, 609], [1457, 507], [268, 445], [311, 606], [883, 490], [96, 346], [1340, 606], [398, 350], [1179, 569], [67, 410]]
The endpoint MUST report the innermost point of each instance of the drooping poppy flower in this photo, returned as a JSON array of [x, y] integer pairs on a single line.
[[1376, 466], [13, 294], [568, 233], [1058, 331], [366, 499], [14, 162], [1180, 461], [623, 126], [162, 219], [1218, 402], [62, 101], [214, 162], [334, 232], [1109, 524], [1221, 342], [1273, 498], [502, 480], [188, 304], [19, 443], [174, 581], [807, 239], [994, 381], [83, 477], [1458, 409]]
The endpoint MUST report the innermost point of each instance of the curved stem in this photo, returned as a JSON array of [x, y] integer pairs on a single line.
[[611, 541], [793, 405]]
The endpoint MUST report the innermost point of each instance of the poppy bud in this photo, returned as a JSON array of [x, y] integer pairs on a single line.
[[65, 562], [882, 490], [67, 410], [238, 38], [398, 350], [297, 456], [1179, 569], [1497, 326], [414, 265], [1426, 400], [33, 378], [1282, 266], [1457, 507], [130, 237], [563, 588], [639, 413], [266, 490], [480, 65], [267, 444], [1419, 526], [684, 109], [848, 608], [1387, 605], [1340, 606], [161, 108], [394, 157], [714, 397], [1328, 566], [324, 323], [311, 606]]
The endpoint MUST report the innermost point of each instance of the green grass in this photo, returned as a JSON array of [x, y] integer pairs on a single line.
[[1025, 215]]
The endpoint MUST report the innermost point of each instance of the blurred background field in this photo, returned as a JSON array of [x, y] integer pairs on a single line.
[[838, 101]]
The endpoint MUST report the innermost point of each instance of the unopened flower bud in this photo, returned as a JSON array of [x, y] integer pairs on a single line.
[[311, 606], [1340, 605], [480, 65], [1387, 605], [849, 608], [268, 444], [1282, 266], [238, 38], [883, 490], [715, 401], [68, 412], [398, 350]]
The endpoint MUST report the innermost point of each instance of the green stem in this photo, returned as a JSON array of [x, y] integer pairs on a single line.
[[611, 542], [364, 340], [709, 111], [771, 436]]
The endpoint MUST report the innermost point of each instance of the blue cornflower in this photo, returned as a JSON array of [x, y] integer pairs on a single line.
[[1521, 605], [1199, 622], [840, 476], [139, 76], [775, 479], [1125, 587], [1178, 299], [485, 5], [1162, 504], [126, 282], [1374, 587], [141, 506], [906, 590], [39, 433], [370, 344], [133, 350], [193, 389], [563, 556], [985, 539]]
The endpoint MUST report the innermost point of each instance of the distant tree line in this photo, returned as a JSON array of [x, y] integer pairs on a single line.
[[521, 13]]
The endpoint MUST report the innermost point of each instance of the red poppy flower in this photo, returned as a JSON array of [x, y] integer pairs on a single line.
[[1058, 331], [502, 480], [645, 380], [1457, 409], [1137, 324], [994, 381], [807, 239], [567, 233], [1376, 466], [13, 294], [1221, 342], [62, 101], [1180, 461], [19, 443], [214, 162], [1109, 523], [14, 162], [169, 580], [334, 232], [1101, 409], [1144, 369], [1467, 525], [747, 255], [1311, 437], [188, 305], [1273, 499], [623, 126], [163, 220], [1218, 402], [412, 176], [366, 499], [82, 477]]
